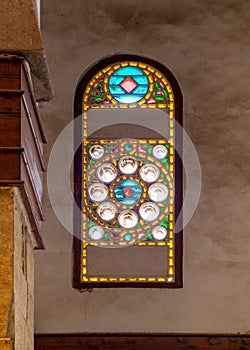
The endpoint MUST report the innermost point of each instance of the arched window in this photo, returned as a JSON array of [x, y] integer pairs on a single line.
[[128, 175]]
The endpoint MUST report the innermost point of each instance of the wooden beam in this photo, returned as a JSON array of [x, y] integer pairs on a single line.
[[143, 342]]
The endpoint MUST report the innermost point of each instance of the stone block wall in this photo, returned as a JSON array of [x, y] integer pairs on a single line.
[[16, 273], [23, 277]]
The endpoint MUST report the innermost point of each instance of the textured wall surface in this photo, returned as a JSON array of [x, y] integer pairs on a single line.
[[20, 35], [206, 45], [6, 262], [23, 279], [16, 275]]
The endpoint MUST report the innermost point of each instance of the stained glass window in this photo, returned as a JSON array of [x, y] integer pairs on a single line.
[[128, 196]]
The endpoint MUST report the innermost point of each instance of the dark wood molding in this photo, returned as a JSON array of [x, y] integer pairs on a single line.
[[35, 224], [34, 134], [11, 92], [11, 183], [22, 139], [27, 81], [143, 342], [82, 84], [11, 149], [33, 187]]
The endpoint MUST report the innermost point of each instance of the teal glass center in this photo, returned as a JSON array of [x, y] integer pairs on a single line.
[[128, 84], [128, 192]]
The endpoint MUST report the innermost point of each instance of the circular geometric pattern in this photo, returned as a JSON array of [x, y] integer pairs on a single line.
[[128, 219], [96, 152], [128, 147], [149, 173], [128, 237], [128, 189], [128, 165], [159, 233], [160, 152], [98, 192], [149, 211], [128, 192], [96, 232], [106, 172], [158, 192], [107, 211], [128, 84]]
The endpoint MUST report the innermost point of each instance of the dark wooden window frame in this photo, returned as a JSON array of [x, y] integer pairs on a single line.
[[142, 342], [81, 86]]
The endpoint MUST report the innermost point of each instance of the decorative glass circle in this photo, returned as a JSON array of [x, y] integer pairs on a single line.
[[128, 219], [106, 211], [158, 192], [159, 233], [149, 211], [128, 237], [128, 165], [98, 192], [149, 172], [106, 172], [160, 152], [128, 147], [96, 232], [128, 84], [96, 152], [128, 192]]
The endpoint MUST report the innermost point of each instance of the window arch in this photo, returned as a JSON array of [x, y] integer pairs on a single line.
[[128, 175]]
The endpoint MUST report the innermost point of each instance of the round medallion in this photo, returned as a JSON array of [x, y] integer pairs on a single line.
[[159, 233], [128, 192], [106, 211], [106, 172], [96, 152], [149, 173], [128, 219], [128, 147], [98, 192], [149, 211], [158, 192], [96, 232], [160, 152], [128, 165], [128, 237], [128, 84]]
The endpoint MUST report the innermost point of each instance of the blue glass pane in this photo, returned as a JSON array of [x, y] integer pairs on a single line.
[[128, 192], [142, 89], [116, 89], [141, 79], [128, 71], [115, 80], [128, 98], [128, 201], [128, 84]]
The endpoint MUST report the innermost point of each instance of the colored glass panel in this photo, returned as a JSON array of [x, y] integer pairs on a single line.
[[129, 71], [129, 85], [135, 208], [125, 191], [128, 192], [128, 98], [132, 84]]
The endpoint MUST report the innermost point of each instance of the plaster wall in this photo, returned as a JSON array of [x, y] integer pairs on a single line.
[[23, 277], [17, 273], [206, 45]]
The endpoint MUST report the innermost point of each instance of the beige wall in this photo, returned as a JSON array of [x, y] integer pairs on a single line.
[[17, 273], [23, 278], [205, 44], [6, 263]]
